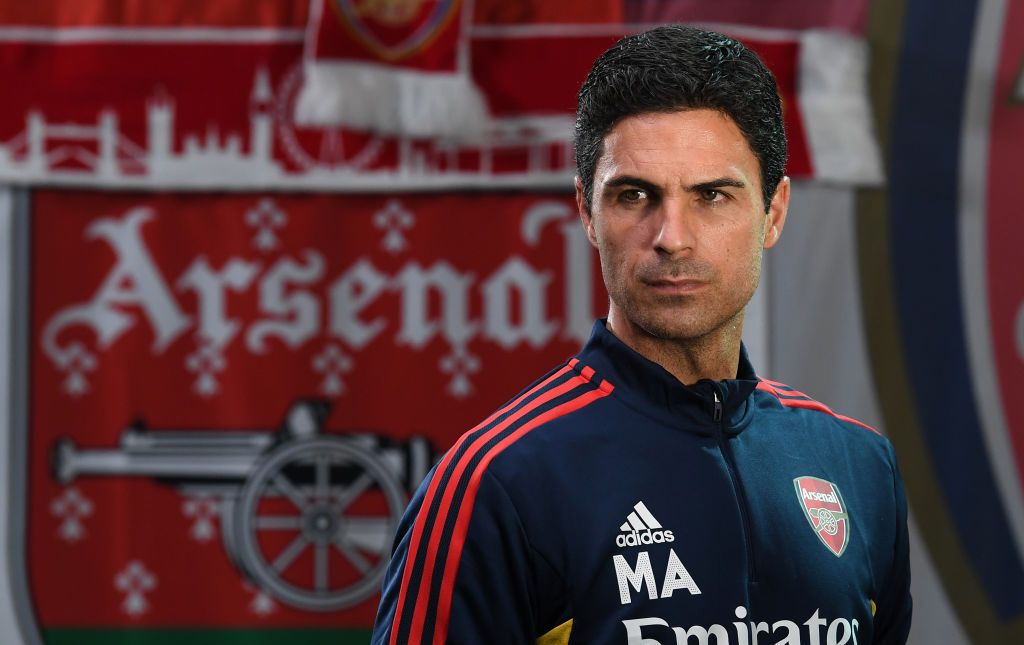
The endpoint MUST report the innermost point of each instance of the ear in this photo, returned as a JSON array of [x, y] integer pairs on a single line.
[[585, 216], [777, 210]]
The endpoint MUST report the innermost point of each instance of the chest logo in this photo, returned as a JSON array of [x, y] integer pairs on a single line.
[[824, 508], [640, 528]]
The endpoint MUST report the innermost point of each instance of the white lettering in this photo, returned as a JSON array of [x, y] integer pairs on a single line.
[[834, 628], [639, 576], [635, 538], [633, 626], [741, 627], [516, 276], [352, 292], [840, 631], [416, 284], [702, 635], [677, 577], [296, 303], [579, 263], [135, 281], [301, 307], [757, 628], [814, 625], [579, 287], [820, 497], [792, 632], [209, 286]]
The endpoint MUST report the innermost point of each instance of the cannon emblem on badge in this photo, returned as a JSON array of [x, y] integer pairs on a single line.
[[307, 516]]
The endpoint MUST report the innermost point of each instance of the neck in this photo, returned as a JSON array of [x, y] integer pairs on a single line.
[[715, 355]]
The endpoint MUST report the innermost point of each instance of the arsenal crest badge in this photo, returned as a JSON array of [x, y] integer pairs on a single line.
[[824, 508]]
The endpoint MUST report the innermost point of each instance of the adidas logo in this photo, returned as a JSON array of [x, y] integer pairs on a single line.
[[641, 528]]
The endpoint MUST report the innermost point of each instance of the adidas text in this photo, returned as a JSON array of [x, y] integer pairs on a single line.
[[637, 538]]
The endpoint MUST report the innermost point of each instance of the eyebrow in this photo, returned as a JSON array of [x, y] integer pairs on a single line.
[[721, 182], [627, 180], [713, 184]]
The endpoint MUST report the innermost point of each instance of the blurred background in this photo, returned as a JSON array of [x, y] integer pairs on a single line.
[[264, 260]]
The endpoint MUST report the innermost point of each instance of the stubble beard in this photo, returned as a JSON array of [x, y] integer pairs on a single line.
[[681, 319], [687, 319]]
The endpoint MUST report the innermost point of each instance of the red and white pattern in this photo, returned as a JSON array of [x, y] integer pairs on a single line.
[[135, 581], [72, 508], [152, 125], [394, 67], [211, 352]]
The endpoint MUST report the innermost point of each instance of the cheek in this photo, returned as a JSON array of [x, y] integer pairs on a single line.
[[618, 266], [739, 253], [614, 243], [613, 261]]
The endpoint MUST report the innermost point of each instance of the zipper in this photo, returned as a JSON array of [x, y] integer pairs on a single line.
[[741, 497]]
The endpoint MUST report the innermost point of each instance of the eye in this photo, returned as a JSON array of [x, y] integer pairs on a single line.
[[632, 196], [711, 195]]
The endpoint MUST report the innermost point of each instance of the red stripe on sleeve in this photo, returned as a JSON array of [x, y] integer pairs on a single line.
[[809, 404], [856, 422], [466, 508], [418, 526], [433, 545], [764, 386]]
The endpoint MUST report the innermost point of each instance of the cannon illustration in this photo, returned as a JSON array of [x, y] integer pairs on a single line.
[[306, 516]]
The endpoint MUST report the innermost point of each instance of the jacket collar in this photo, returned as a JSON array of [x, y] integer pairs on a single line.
[[655, 392]]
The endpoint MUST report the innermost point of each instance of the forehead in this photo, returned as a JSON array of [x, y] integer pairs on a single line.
[[687, 145]]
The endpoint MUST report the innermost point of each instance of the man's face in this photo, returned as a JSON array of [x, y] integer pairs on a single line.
[[678, 219]]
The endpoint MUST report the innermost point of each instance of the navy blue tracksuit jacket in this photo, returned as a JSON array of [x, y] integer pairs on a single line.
[[608, 503]]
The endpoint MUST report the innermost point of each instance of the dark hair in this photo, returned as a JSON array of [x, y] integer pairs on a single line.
[[673, 68]]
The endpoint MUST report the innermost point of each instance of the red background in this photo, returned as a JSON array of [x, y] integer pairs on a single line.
[[392, 389]]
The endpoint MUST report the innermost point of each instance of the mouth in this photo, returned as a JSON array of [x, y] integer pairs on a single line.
[[675, 286]]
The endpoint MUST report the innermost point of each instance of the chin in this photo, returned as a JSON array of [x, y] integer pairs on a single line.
[[674, 318], [676, 332], [669, 326]]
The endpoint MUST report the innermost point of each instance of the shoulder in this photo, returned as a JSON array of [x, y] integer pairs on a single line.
[[561, 396], [794, 403]]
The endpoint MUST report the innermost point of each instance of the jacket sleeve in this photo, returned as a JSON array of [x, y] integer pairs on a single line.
[[479, 589], [895, 606]]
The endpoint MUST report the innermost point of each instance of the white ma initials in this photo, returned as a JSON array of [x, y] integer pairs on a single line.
[[642, 575]]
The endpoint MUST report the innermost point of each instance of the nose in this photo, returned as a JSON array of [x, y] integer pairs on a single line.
[[676, 233]]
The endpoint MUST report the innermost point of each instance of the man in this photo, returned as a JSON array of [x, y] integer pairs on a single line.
[[653, 490]]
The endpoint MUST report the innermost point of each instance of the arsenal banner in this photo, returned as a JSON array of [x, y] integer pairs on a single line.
[[232, 398], [201, 107]]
